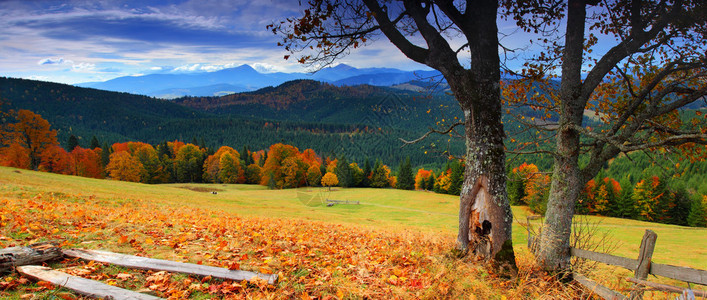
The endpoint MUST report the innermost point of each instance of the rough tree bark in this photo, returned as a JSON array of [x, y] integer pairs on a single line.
[[553, 250]]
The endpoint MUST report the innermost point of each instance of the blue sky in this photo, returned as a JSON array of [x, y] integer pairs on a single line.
[[82, 41]]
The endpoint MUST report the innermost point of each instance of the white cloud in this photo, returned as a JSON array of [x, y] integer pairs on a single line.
[[83, 67], [266, 68]]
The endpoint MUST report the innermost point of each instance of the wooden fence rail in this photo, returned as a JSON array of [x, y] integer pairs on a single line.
[[643, 266]]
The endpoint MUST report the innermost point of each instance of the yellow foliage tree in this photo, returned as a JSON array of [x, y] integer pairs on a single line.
[[330, 180], [124, 167]]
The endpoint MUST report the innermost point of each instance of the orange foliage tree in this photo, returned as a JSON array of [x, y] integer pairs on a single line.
[[314, 175], [15, 156], [213, 166], [125, 167], [598, 196], [421, 178], [88, 162], [55, 159], [271, 173], [33, 132]]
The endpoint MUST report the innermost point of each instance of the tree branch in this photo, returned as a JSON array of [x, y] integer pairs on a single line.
[[406, 142]]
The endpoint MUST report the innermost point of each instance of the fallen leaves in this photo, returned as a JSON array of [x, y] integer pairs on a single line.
[[313, 259]]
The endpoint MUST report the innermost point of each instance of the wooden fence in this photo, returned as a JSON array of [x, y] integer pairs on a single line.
[[642, 267], [332, 202]]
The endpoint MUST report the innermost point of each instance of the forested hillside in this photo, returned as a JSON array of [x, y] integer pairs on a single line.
[[336, 125]]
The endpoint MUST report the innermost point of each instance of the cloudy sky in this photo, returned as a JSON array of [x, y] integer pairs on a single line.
[[82, 41]]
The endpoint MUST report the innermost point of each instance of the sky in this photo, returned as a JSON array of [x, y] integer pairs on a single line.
[[85, 41]]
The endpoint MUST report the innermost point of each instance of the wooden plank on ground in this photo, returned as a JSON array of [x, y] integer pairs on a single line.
[[82, 286], [597, 288], [145, 263], [680, 273], [605, 258], [666, 287], [32, 255]]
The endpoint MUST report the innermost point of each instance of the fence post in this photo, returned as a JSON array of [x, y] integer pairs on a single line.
[[645, 255]]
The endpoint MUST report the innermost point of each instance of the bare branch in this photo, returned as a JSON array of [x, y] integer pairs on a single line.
[[406, 142]]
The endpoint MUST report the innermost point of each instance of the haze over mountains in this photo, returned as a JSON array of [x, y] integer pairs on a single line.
[[244, 78]]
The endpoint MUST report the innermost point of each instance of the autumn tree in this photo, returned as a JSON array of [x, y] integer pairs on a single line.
[[87, 162], [252, 173], [189, 161], [15, 156], [649, 63], [314, 175], [124, 167], [212, 165], [422, 31], [422, 179], [33, 132], [330, 180], [55, 159], [272, 173], [228, 169]]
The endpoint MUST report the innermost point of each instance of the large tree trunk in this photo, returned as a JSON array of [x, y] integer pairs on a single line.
[[553, 251], [485, 217]]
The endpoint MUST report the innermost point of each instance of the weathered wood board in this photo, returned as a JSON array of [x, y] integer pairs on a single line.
[[600, 290], [34, 254], [83, 286], [145, 263]]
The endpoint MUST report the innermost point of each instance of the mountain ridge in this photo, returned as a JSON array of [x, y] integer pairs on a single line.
[[245, 78]]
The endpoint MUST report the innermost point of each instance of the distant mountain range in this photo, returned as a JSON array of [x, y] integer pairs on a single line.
[[244, 78]]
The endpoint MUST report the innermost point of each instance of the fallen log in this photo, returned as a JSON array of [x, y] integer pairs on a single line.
[[33, 254], [82, 286], [145, 263]]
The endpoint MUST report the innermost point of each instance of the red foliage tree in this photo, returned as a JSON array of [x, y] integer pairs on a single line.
[[55, 159], [88, 162]]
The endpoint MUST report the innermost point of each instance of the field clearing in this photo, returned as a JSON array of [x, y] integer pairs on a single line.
[[409, 220]]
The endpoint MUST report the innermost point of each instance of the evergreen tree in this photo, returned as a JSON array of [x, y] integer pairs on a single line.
[[72, 143], [515, 186], [431, 182], [94, 143], [379, 178], [365, 181], [261, 161], [343, 173], [406, 180], [457, 178], [698, 212], [679, 212], [105, 154], [247, 156], [626, 206]]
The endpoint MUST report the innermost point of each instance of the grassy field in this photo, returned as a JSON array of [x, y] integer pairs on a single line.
[[393, 212]]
